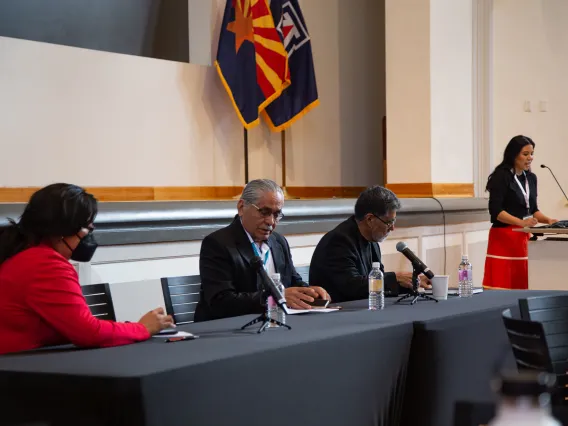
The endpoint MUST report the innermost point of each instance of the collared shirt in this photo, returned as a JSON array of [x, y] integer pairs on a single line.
[[262, 252]]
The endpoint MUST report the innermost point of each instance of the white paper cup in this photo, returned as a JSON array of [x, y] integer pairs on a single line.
[[440, 287]]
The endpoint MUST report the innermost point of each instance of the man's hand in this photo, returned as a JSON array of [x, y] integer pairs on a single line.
[[296, 297], [405, 280]]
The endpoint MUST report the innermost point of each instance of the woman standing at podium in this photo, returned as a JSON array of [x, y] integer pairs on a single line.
[[512, 204]]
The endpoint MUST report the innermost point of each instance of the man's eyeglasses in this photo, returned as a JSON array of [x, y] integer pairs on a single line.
[[266, 212], [389, 224]]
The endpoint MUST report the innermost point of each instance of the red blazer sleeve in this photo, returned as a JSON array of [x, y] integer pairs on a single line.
[[56, 296]]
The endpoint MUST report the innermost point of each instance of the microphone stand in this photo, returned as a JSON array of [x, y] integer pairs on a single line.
[[415, 293], [266, 320]]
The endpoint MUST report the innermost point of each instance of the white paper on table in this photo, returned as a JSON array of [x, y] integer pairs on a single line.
[[178, 334], [291, 311]]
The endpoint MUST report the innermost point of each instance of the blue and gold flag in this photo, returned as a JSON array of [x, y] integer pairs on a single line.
[[251, 59], [302, 93]]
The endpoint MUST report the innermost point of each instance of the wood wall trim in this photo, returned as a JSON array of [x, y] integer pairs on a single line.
[[323, 191], [185, 193], [428, 189], [136, 193]]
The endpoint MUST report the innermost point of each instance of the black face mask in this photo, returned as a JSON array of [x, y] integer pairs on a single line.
[[85, 249]]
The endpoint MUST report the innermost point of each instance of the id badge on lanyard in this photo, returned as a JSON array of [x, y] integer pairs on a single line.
[[526, 194]]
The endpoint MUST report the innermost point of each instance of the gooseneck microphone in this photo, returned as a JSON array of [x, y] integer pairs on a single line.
[[417, 264], [268, 284], [557, 183]]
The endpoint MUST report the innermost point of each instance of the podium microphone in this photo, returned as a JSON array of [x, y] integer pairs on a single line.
[[268, 284], [417, 264], [558, 183]]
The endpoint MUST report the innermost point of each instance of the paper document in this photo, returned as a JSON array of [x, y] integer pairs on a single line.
[[311, 311], [178, 334]]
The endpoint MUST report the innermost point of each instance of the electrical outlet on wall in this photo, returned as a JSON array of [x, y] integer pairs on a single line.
[[527, 106], [543, 106]]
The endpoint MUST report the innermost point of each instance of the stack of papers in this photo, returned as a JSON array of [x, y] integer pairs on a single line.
[[291, 311]]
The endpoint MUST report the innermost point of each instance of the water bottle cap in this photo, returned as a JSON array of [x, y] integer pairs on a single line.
[[464, 256], [376, 265], [275, 276]]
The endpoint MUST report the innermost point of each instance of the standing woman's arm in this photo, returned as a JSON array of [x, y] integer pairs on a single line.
[[538, 215]]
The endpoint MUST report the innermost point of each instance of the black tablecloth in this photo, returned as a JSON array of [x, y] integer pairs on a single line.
[[330, 369], [344, 368], [457, 345]]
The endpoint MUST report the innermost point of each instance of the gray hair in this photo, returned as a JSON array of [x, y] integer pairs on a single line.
[[377, 200], [255, 188]]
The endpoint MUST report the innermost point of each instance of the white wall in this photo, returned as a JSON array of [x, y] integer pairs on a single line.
[[101, 119], [148, 122], [408, 90], [451, 79], [530, 63], [429, 78], [138, 268]]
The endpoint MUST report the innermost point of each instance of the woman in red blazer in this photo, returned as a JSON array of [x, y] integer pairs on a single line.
[[41, 303]]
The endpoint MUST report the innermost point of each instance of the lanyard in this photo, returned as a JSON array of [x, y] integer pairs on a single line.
[[526, 191], [255, 248]]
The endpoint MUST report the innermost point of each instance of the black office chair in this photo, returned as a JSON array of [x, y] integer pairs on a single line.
[[552, 313], [304, 272], [181, 295], [99, 300], [532, 352]]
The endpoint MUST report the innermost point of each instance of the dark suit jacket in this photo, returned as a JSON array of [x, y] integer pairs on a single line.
[[342, 261], [229, 286]]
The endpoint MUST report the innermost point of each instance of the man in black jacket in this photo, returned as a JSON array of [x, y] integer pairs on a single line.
[[229, 286], [343, 258]]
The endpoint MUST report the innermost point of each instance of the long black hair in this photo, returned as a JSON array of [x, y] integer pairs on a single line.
[[514, 147], [58, 210]]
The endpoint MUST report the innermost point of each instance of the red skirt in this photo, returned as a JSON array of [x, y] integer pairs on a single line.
[[507, 261]]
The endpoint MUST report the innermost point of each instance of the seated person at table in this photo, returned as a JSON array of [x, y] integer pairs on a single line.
[[229, 286], [41, 303], [343, 258]]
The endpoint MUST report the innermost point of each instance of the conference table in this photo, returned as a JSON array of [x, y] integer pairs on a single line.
[[404, 365]]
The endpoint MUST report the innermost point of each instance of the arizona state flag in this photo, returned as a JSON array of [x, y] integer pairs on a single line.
[[302, 94], [251, 59]]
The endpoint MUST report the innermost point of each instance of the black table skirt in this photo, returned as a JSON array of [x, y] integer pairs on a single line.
[[403, 365]]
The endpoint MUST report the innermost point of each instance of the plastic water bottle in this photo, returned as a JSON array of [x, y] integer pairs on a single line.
[[465, 277], [280, 314], [274, 311], [376, 293], [524, 399]]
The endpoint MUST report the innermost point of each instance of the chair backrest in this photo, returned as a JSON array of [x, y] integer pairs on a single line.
[[531, 350], [528, 343], [99, 300], [552, 313], [304, 272], [181, 295]]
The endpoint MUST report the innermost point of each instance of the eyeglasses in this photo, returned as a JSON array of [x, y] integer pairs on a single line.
[[389, 224], [266, 212]]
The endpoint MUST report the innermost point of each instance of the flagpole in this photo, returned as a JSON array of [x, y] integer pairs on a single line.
[[283, 147], [246, 143]]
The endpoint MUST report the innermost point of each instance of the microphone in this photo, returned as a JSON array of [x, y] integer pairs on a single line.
[[268, 284], [420, 267], [557, 183]]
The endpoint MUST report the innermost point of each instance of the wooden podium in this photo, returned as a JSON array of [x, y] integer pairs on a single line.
[[548, 258]]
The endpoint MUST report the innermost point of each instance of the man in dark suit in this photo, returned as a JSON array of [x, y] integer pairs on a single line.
[[343, 258], [229, 286]]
